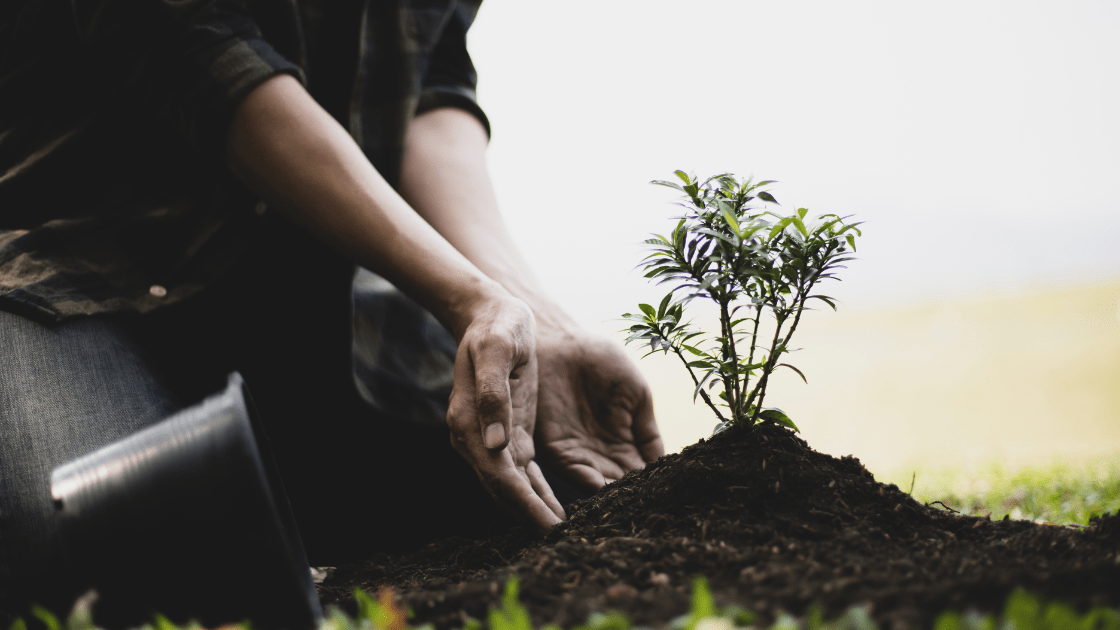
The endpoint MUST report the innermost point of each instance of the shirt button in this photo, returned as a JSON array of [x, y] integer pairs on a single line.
[[158, 291], [260, 208]]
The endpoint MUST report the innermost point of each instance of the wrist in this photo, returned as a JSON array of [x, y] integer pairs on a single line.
[[551, 318], [475, 301]]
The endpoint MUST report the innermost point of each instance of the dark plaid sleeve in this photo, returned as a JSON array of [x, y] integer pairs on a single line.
[[451, 79], [199, 58]]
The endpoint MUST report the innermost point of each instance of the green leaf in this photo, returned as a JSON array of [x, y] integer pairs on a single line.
[[163, 623], [664, 304], [801, 212], [700, 384], [667, 184], [765, 196], [799, 373], [683, 176], [800, 225], [660, 271], [1023, 610], [851, 241], [46, 616], [703, 604], [774, 414], [648, 310], [824, 298], [729, 216], [610, 620], [511, 615], [948, 620], [778, 227]]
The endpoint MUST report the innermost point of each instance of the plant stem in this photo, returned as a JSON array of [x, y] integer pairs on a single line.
[[760, 387], [754, 342], [802, 291], [732, 391], [696, 381]]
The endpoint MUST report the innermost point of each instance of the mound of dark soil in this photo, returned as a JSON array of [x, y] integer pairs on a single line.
[[774, 526]]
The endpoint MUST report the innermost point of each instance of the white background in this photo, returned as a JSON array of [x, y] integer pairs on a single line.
[[980, 142], [977, 141]]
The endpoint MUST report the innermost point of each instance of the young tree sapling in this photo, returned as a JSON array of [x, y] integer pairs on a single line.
[[746, 260]]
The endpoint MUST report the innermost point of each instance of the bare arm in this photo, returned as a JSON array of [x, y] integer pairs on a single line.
[[444, 177], [594, 413], [296, 156]]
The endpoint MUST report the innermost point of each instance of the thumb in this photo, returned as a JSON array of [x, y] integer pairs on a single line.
[[493, 367]]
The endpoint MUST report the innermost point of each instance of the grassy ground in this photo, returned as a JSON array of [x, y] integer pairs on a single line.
[[1023, 611], [1059, 493]]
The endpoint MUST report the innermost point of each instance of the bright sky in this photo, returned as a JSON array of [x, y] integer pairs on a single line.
[[979, 141]]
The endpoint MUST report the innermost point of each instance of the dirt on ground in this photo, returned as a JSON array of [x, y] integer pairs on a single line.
[[773, 525]]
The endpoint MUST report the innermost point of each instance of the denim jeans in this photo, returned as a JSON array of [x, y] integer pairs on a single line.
[[64, 391], [357, 482]]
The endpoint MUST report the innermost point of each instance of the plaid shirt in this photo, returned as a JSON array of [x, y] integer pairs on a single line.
[[114, 197]]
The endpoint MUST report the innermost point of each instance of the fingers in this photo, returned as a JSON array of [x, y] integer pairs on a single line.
[[626, 455], [523, 495], [497, 362], [543, 490], [493, 365], [585, 476], [495, 411], [520, 490], [492, 412]]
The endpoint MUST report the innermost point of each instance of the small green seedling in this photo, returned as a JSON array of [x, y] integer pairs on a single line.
[[746, 260]]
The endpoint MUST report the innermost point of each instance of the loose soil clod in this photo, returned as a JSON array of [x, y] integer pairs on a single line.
[[774, 526]]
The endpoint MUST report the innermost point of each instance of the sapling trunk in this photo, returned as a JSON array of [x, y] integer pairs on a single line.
[[731, 388]]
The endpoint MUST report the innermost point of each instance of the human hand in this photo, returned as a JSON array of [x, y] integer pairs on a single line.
[[492, 410], [594, 411]]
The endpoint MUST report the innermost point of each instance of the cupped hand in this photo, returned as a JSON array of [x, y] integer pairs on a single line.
[[594, 412], [493, 409]]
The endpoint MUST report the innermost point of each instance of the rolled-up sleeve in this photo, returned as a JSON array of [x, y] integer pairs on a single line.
[[197, 59], [451, 80]]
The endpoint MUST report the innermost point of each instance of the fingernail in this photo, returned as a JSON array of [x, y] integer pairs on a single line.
[[494, 436]]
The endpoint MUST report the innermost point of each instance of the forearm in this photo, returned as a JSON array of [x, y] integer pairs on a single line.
[[594, 410], [297, 157], [445, 179]]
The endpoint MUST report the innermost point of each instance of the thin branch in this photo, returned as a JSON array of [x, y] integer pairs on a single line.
[[802, 293], [760, 388], [696, 381], [754, 343]]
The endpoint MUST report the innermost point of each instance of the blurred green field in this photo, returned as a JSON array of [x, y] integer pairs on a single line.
[[1058, 493], [1027, 379]]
